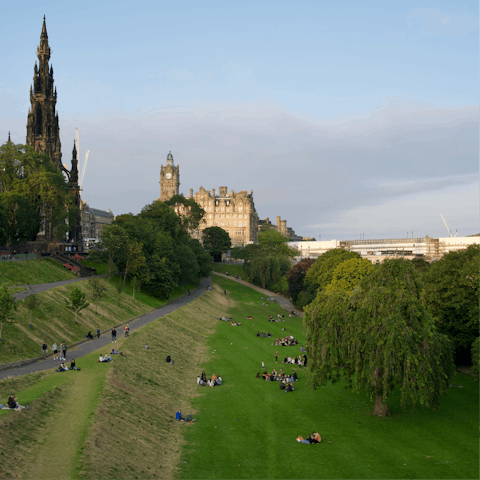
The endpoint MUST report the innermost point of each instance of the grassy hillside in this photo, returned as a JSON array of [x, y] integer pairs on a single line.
[[115, 420], [29, 272], [53, 321]]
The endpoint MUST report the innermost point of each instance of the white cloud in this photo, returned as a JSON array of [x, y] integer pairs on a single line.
[[313, 174]]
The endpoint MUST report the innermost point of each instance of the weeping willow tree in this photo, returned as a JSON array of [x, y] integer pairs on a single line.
[[378, 338]]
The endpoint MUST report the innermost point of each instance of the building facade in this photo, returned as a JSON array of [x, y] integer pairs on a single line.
[[169, 179], [234, 212], [93, 221], [280, 227]]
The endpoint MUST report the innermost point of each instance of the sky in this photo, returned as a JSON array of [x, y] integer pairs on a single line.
[[344, 118]]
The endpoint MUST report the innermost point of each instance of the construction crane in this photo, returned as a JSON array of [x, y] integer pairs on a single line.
[[80, 182], [77, 143], [448, 229]]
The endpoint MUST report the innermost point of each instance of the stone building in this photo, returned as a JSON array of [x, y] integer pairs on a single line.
[[43, 131], [234, 212], [94, 220], [280, 227], [169, 179]]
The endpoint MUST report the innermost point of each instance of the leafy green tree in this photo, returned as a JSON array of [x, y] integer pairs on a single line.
[[378, 338], [421, 265], [3, 223], [320, 273], [23, 218], [475, 358], [296, 277], [33, 177], [7, 305], [267, 270], [204, 260], [76, 302], [114, 240], [451, 292], [119, 286], [186, 260], [98, 291], [348, 274], [274, 243], [135, 259], [31, 302], [216, 240], [189, 211]]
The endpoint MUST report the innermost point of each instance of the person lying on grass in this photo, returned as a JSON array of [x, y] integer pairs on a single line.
[[249, 317], [224, 319], [287, 341], [116, 352], [104, 359], [312, 438]]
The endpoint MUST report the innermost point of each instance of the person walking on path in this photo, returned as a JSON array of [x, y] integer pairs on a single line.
[[44, 350], [225, 292], [98, 332], [188, 292], [276, 357], [114, 335], [64, 351], [127, 328], [55, 350]]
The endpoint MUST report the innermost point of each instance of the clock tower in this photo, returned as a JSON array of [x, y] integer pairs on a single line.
[[169, 179]]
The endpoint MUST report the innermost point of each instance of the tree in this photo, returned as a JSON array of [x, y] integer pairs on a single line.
[[296, 277], [7, 305], [274, 243], [119, 288], [321, 272], [77, 302], [451, 292], [268, 269], [189, 211], [98, 291], [216, 240], [204, 260], [189, 269], [31, 302], [383, 336], [348, 274], [3, 224], [475, 358], [135, 258]]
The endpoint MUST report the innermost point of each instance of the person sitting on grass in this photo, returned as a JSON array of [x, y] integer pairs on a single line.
[[73, 366], [249, 317], [258, 375], [101, 359], [62, 368], [89, 335], [148, 348], [13, 404], [108, 358], [169, 360], [289, 387], [219, 381]]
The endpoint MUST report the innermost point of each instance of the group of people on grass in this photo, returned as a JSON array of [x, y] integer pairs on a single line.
[[279, 318], [213, 381], [301, 360], [64, 368], [288, 341], [263, 334]]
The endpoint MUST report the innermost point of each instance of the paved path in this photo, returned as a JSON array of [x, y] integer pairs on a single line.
[[43, 287], [105, 339], [282, 301]]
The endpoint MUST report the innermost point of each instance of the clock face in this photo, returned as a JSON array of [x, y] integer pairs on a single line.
[[168, 176]]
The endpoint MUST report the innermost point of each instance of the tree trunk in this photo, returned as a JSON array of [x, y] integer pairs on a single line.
[[381, 409]]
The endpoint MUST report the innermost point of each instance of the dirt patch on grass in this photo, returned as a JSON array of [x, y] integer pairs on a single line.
[[136, 413]]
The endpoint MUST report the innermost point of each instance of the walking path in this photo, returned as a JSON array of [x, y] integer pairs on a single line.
[[105, 339], [282, 301], [43, 287]]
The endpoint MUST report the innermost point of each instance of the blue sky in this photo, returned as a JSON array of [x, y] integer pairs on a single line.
[[376, 101]]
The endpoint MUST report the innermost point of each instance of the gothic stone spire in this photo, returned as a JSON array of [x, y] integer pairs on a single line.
[[43, 132]]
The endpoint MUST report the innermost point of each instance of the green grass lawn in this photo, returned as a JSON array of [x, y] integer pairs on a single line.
[[247, 428], [28, 272], [231, 269]]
